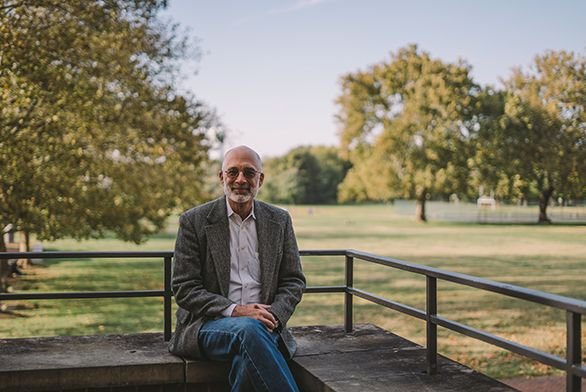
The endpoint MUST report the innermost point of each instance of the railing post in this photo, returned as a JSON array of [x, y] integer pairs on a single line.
[[573, 351], [167, 297], [431, 327], [348, 325]]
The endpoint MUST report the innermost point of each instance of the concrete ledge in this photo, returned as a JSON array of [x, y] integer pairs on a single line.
[[206, 372], [328, 360], [372, 359], [70, 362]]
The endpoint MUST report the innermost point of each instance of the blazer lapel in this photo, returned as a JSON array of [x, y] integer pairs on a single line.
[[267, 231], [218, 240]]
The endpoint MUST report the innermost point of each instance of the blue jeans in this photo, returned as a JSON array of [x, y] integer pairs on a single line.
[[257, 363]]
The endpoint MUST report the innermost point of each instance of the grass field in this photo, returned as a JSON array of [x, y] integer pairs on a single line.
[[548, 258]]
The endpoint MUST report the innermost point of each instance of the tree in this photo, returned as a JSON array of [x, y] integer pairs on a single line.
[[94, 136], [499, 151], [405, 128], [546, 107], [332, 170], [535, 144], [304, 175]]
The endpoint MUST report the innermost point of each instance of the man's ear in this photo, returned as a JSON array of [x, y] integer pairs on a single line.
[[261, 179], [221, 175]]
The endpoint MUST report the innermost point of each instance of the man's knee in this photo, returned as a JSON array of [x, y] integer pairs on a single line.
[[252, 333], [243, 331], [246, 327]]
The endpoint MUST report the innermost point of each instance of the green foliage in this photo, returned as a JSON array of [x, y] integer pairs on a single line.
[[405, 127], [93, 134], [534, 143], [305, 175], [212, 187]]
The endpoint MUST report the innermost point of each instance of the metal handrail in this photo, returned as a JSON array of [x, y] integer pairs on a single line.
[[166, 293], [574, 308], [540, 297]]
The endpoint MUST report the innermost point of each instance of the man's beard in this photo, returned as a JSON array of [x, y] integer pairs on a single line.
[[240, 197]]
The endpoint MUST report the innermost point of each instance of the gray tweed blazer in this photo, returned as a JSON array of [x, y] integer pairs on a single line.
[[201, 270]]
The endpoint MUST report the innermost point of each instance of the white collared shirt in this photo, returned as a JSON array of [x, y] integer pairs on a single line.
[[245, 279]]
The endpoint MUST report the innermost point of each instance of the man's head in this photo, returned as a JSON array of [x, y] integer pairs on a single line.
[[241, 175]]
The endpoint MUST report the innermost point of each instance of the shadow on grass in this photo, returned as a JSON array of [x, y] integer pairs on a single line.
[[327, 235], [532, 224], [135, 261], [164, 235], [7, 313]]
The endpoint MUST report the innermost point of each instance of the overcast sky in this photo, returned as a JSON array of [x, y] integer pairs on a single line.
[[271, 69]]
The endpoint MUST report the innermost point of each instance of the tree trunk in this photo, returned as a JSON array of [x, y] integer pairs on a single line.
[[543, 203], [24, 263], [4, 267], [420, 207]]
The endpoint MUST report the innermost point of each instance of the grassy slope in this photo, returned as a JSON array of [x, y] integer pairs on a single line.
[[548, 258]]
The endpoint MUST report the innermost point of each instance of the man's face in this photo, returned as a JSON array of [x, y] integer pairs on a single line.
[[241, 176]]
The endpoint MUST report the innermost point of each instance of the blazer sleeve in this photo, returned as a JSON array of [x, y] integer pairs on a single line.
[[187, 281], [291, 280]]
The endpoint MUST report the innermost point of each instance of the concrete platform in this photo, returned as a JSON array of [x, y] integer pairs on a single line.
[[372, 359], [76, 362], [368, 359]]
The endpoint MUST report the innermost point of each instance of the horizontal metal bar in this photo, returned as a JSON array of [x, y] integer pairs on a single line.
[[122, 294], [387, 303], [557, 301], [83, 295], [325, 289], [85, 255], [327, 252], [125, 254], [517, 348], [578, 370]]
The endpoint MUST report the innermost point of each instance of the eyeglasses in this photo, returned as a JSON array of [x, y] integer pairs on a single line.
[[248, 172]]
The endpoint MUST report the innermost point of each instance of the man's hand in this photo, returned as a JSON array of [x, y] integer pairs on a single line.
[[257, 311]]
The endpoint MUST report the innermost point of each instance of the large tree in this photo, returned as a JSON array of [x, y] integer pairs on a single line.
[[405, 127], [534, 144], [546, 108], [94, 136]]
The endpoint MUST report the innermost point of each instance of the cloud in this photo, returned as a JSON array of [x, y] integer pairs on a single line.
[[299, 5]]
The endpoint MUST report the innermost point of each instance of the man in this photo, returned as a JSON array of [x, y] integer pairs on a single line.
[[237, 278]]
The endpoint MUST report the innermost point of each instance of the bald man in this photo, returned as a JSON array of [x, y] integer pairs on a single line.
[[237, 279]]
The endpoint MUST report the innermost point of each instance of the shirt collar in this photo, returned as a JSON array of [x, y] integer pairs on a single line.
[[231, 211]]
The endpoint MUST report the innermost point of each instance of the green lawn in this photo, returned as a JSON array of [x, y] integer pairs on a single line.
[[549, 258]]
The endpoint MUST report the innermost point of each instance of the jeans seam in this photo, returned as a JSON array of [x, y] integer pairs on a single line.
[[247, 354]]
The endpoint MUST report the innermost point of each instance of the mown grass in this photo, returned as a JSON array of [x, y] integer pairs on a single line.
[[548, 258]]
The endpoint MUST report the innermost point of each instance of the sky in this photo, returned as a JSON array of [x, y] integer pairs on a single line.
[[271, 69]]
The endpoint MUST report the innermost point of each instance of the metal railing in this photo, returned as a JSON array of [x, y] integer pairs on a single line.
[[574, 308], [166, 293]]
